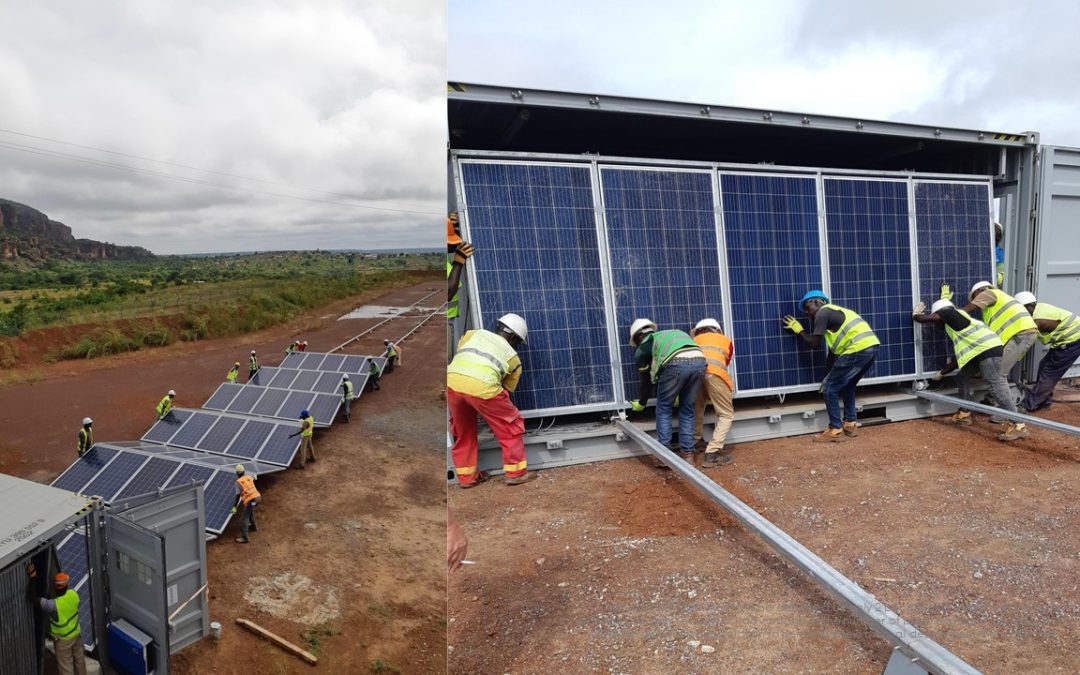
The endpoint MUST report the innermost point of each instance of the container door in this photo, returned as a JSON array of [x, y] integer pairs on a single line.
[[1057, 232], [136, 578]]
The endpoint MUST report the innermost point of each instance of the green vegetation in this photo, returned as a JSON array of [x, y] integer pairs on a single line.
[[314, 635], [380, 666]]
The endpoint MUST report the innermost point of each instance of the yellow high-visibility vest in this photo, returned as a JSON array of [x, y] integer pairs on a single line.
[[972, 341], [854, 335]]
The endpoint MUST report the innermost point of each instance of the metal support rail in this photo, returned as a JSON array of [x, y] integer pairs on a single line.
[[383, 322], [992, 410], [417, 327], [920, 650]]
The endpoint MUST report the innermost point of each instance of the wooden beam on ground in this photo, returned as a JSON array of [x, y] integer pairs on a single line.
[[278, 640]]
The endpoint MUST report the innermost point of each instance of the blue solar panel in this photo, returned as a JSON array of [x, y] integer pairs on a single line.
[[953, 225], [263, 377], [191, 473], [312, 361], [250, 439], [223, 396], [305, 380], [84, 469], [293, 360], [246, 399], [870, 264], [163, 430], [74, 559], [295, 403], [279, 448], [219, 496], [190, 433], [661, 231], [270, 402], [282, 379], [332, 362], [151, 477], [328, 383], [221, 434], [109, 481], [353, 364], [773, 255], [537, 255], [324, 408]]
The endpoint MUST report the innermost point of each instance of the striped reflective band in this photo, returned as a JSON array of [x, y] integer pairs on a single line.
[[1008, 304], [499, 367], [510, 468], [1066, 332], [970, 345], [465, 470]]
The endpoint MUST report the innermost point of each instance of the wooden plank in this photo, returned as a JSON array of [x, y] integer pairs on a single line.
[[279, 641]]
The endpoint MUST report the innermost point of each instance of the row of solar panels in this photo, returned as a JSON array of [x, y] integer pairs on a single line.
[[341, 363], [283, 404]]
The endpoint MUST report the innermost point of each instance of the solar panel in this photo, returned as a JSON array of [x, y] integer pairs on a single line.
[[305, 380], [193, 430], [870, 264], [283, 379], [537, 254], [293, 360], [261, 378], [221, 434], [164, 429], [219, 496], [311, 361], [270, 402], [296, 402], [953, 224], [191, 473], [279, 448], [246, 399], [773, 257], [73, 556], [150, 478], [324, 408], [332, 362], [328, 383], [353, 364], [251, 438], [109, 481], [223, 396], [76, 476], [661, 227]]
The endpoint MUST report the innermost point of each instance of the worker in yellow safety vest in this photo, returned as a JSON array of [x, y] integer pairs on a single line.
[[393, 355], [164, 407], [347, 395], [1059, 329], [479, 381], [1006, 317], [63, 613], [247, 497], [976, 349], [253, 365], [853, 346], [307, 431], [233, 372], [716, 388], [86, 437], [457, 252]]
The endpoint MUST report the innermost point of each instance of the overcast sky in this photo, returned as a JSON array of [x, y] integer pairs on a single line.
[[310, 97], [1000, 66]]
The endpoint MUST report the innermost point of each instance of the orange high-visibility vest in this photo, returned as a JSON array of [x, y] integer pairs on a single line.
[[247, 489], [718, 351]]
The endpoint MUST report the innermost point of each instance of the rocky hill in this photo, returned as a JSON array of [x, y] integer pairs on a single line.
[[28, 234]]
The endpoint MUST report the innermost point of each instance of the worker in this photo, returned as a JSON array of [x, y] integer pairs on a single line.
[[457, 252], [253, 365], [291, 348], [374, 373], [853, 346], [86, 437], [479, 380], [393, 355], [999, 255], [164, 407], [233, 372], [1006, 317], [347, 395], [303, 346], [307, 430], [976, 349], [671, 361], [248, 497], [1059, 329], [63, 613], [716, 388]]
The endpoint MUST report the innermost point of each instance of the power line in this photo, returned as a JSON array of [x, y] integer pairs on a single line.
[[55, 154]]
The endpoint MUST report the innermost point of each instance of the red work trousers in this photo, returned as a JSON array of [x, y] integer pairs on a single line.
[[503, 418]]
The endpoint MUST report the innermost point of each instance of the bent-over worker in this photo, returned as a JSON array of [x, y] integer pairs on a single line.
[[233, 372], [1006, 317], [1059, 329], [716, 388], [164, 407]]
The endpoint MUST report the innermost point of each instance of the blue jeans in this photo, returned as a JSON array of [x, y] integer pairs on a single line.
[[1053, 365], [679, 378], [841, 381]]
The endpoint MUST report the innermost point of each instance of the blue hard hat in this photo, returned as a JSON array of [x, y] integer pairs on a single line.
[[304, 413], [810, 295]]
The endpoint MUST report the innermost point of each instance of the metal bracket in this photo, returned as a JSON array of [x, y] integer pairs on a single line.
[[901, 664], [555, 444], [774, 419], [809, 414]]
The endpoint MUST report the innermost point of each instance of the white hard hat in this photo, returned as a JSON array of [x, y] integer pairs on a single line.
[[515, 324], [640, 325], [979, 285], [87, 420], [939, 305], [1025, 298], [707, 323], [252, 351], [304, 342], [345, 376], [172, 393], [239, 468]]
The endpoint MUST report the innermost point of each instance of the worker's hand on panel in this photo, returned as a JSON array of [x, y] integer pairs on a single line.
[[232, 511], [938, 375], [792, 324], [946, 292], [637, 406], [464, 252], [920, 308], [31, 571]]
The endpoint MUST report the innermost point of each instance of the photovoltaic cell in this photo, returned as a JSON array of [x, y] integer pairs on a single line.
[[295, 403], [283, 379], [324, 408], [353, 364], [191, 473], [661, 232], [223, 396], [219, 496], [773, 255], [279, 448], [305, 380], [263, 376], [193, 430], [312, 361], [537, 255], [74, 559], [332, 362], [221, 434], [328, 383], [84, 469], [246, 399], [164, 429], [270, 402], [870, 264], [152, 476], [293, 360], [953, 225], [250, 439], [109, 481]]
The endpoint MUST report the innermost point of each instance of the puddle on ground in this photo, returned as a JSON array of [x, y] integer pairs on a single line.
[[382, 311]]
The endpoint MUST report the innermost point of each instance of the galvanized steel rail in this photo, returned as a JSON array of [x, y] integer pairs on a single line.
[[905, 637], [992, 410], [383, 322]]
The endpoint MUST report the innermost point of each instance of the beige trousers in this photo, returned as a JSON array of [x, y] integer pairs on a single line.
[[307, 450], [715, 391], [70, 658]]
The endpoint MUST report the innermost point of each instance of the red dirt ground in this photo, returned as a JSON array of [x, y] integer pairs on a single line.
[[361, 530], [618, 567]]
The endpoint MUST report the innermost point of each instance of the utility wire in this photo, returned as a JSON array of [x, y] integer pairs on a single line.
[[55, 154]]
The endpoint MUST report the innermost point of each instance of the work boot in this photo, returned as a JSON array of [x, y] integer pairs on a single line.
[[851, 428], [687, 457], [700, 445], [998, 419], [716, 458], [243, 540], [961, 417], [480, 478], [522, 479], [1014, 432], [830, 435]]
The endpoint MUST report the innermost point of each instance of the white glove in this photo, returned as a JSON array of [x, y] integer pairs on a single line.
[[919, 309], [937, 376]]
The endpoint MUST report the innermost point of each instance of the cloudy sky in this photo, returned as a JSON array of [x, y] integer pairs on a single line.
[[328, 115], [1001, 66]]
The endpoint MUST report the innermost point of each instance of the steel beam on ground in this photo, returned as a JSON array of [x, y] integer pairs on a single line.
[[993, 410], [882, 620]]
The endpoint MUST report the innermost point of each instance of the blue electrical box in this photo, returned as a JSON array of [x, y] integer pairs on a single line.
[[131, 651]]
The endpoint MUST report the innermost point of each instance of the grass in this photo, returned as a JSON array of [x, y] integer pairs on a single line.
[[11, 379], [380, 666], [314, 635], [384, 613]]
